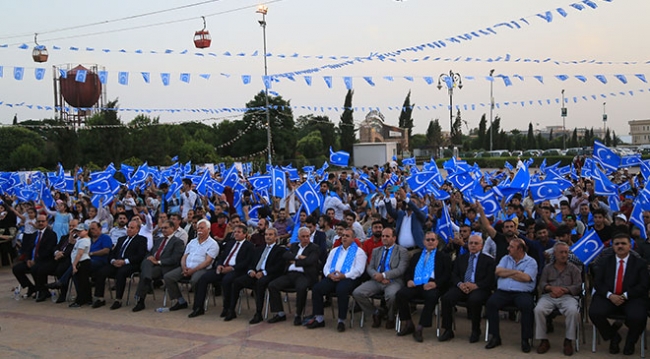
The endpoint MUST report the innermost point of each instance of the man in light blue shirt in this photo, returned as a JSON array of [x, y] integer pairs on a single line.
[[516, 274]]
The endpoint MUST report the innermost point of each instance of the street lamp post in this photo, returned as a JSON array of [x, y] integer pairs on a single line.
[[491, 104], [604, 118], [452, 80], [564, 113], [263, 9]]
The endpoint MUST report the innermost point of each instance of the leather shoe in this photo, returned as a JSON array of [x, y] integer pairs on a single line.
[[628, 349], [316, 324], [178, 306], [544, 346], [340, 327], [376, 320], [230, 316], [30, 292], [60, 299], [116, 305], [99, 303], [277, 318], [297, 320], [53, 285], [407, 328], [475, 336], [614, 344], [417, 335], [256, 319], [493, 343], [390, 324], [224, 313], [196, 313], [525, 346], [138, 306], [74, 305], [568, 347], [447, 335], [42, 298]]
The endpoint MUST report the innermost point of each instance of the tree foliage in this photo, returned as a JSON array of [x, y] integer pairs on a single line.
[[406, 119], [346, 125]]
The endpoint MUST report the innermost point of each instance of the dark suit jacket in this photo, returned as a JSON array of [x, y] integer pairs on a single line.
[[171, 255], [135, 251], [274, 262], [45, 249], [320, 239], [399, 262], [65, 247], [243, 259], [483, 273], [635, 279], [417, 222], [442, 268], [310, 265]]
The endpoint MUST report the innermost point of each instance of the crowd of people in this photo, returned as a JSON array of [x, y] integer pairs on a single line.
[[383, 249]]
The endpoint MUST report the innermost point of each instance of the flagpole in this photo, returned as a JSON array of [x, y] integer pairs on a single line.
[[263, 9]]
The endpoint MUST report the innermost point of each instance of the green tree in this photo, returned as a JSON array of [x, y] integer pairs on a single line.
[[481, 134], [608, 138], [197, 151], [587, 139], [406, 119], [434, 134], [346, 126], [150, 140], [25, 157], [104, 144], [310, 123], [574, 138], [419, 140], [457, 130], [495, 129], [311, 146], [283, 135], [12, 138], [550, 136], [615, 140], [530, 137], [15, 122]]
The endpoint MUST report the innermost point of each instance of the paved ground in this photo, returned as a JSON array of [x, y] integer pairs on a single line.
[[30, 329]]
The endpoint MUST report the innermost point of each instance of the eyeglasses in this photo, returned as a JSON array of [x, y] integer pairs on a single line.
[[430, 239], [474, 243], [620, 243], [41, 221]]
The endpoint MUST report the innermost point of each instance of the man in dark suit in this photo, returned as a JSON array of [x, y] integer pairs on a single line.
[[621, 287], [165, 256], [317, 237], [38, 250], [267, 265], [472, 279], [302, 273], [410, 220], [386, 269], [425, 280], [63, 269], [124, 259], [233, 262]]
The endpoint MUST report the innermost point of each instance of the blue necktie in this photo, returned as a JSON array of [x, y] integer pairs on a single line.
[[382, 263], [470, 268]]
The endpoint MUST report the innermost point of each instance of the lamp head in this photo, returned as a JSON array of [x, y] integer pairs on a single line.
[[262, 9], [491, 72]]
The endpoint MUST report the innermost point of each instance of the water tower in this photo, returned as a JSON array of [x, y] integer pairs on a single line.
[[75, 100]]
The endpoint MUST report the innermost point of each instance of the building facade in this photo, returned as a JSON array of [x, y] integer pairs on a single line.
[[640, 132], [373, 129]]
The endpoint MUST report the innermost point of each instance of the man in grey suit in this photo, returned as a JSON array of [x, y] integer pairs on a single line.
[[164, 256], [386, 270]]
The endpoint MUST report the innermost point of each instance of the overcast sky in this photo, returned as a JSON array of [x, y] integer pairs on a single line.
[[613, 32]]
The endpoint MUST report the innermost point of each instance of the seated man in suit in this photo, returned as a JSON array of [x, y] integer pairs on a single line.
[[199, 254], [38, 251], [621, 287], [516, 277], [63, 270], [472, 280], [343, 269], [387, 267], [559, 284], [317, 237], [301, 274], [233, 262], [164, 256], [267, 265], [124, 259], [427, 277]]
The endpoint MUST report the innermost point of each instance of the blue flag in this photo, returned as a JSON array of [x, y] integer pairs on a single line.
[[588, 247], [545, 190], [279, 183], [606, 157], [308, 196], [418, 182], [230, 177], [636, 218], [445, 227], [602, 185], [631, 160], [260, 182], [408, 161], [490, 203], [339, 158]]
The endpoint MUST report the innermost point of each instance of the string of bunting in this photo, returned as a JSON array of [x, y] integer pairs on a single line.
[[236, 138], [323, 109], [123, 77], [252, 155]]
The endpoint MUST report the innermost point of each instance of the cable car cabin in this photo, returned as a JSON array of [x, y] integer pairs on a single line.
[[39, 54], [202, 39]]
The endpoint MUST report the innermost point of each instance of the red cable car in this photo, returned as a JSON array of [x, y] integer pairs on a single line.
[[39, 54], [202, 37]]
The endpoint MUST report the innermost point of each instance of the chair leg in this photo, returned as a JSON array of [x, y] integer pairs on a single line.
[[266, 304], [487, 329], [241, 293], [286, 299], [128, 293], [593, 339]]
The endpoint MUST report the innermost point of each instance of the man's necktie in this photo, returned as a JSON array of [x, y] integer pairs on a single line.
[[125, 246], [234, 250], [619, 278], [38, 243], [262, 258], [160, 249], [382, 262], [470, 268]]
